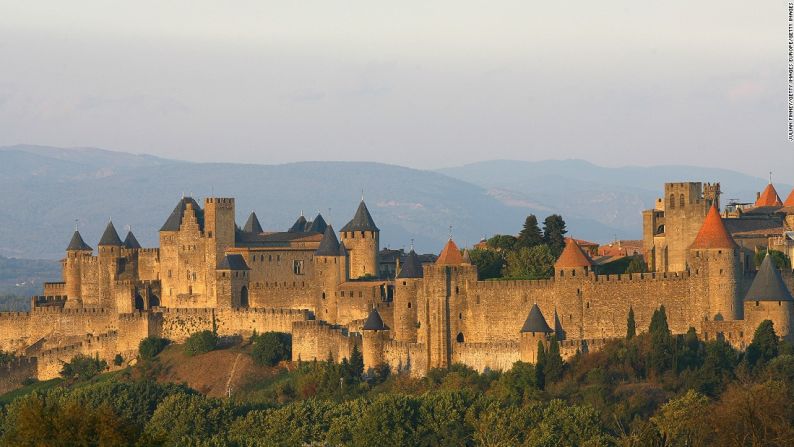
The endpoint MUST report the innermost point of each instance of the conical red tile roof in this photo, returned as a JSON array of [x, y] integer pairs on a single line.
[[572, 256], [450, 255], [769, 197], [713, 233], [790, 199]]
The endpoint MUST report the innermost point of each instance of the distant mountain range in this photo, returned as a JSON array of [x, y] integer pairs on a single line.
[[45, 189]]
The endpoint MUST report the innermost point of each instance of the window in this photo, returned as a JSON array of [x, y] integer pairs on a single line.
[[409, 304], [297, 266], [672, 201], [459, 338], [681, 201]]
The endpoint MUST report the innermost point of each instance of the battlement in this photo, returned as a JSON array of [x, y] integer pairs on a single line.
[[259, 285], [45, 301], [320, 326], [514, 284], [17, 362], [652, 276], [137, 282], [67, 311], [226, 200], [134, 316], [153, 251], [76, 348], [271, 311], [60, 285]]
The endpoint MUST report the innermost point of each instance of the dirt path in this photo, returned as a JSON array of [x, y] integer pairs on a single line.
[[231, 375]]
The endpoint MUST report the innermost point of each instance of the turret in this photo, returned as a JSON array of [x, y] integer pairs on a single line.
[[769, 197], [407, 286], [231, 282], [573, 262], [318, 225], [110, 246], [131, 242], [375, 336], [769, 299], [252, 225], [362, 239], [299, 226], [714, 256], [76, 252], [534, 331], [331, 270], [180, 242]]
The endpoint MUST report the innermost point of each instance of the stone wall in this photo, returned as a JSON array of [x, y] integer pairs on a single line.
[[315, 340], [498, 356], [405, 357], [15, 372]]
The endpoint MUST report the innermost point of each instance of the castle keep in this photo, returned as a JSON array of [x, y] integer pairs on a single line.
[[330, 292]]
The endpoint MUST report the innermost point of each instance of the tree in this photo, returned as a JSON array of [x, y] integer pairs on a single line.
[[764, 346], [532, 263], [540, 366], [271, 347], [779, 259], [356, 362], [661, 354], [631, 328], [82, 367], [552, 370], [149, 347], [502, 242], [530, 235], [489, 263], [201, 342], [554, 233], [636, 265], [682, 421]]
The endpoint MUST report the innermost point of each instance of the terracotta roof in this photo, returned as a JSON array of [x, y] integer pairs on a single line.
[[582, 243], [450, 255], [572, 256], [713, 233], [77, 243], [790, 199], [769, 197], [774, 231], [535, 321]]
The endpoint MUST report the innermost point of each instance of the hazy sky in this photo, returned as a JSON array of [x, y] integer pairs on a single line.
[[418, 83]]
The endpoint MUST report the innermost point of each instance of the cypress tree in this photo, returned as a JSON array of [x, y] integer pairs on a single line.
[[540, 365], [631, 328], [530, 235], [552, 370], [661, 354], [356, 362]]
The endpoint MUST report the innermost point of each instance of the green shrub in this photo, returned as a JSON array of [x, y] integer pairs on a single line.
[[271, 348], [151, 346], [118, 360], [201, 342], [82, 367]]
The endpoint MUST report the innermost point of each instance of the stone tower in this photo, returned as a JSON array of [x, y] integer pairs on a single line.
[[534, 331], [77, 253], [375, 336], [407, 285], [330, 268], [219, 233], [362, 239], [183, 254], [714, 256], [573, 262], [231, 282], [769, 299], [110, 246]]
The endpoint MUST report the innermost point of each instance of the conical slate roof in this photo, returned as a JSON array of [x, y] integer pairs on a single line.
[[299, 226], [252, 224], [769, 197], [233, 262], [572, 256], [790, 199], [374, 321], [362, 221], [329, 245], [174, 221], [77, 243], [535, 322], [130, 241], [558, 331], [110, 236], [318, 225], [450, 255], [411, 268], [768, 285], [713, 233]]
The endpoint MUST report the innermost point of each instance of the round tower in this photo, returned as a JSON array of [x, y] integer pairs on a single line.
[[534, 331], [362, 239], [72, 271], [110, 246], [331, 270], [375, 335], [573, 262], [714, 258], [769, 299], [407, 285]]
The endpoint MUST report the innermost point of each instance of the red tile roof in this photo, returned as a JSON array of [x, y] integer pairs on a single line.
[[450, 255], [769, 197], [713, 233], [790, 200], [572, 256]]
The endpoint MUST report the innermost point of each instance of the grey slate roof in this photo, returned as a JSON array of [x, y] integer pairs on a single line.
[[362, 221], [77, 243], [374, 321], [233, 262], [174, 221], [342, 249], [252, 224], [318, 225], [329, 245], [768, 285], [130, 241], [110, 236], [535, 322], [411, 268], [299, 226]]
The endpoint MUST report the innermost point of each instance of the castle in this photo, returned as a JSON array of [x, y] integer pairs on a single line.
[[330, 292]]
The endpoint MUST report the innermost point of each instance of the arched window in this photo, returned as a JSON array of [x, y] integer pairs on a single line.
[[244, 297], [154, 301], [672, 201], [459, 338], [409, 304], [138, 301], [681, 201]]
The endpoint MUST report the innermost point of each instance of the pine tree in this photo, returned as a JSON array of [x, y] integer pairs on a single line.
[[530, 235], [540, 365], [765, 345], [631, 327], [552, 370], [554, 233], [356, 363]]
